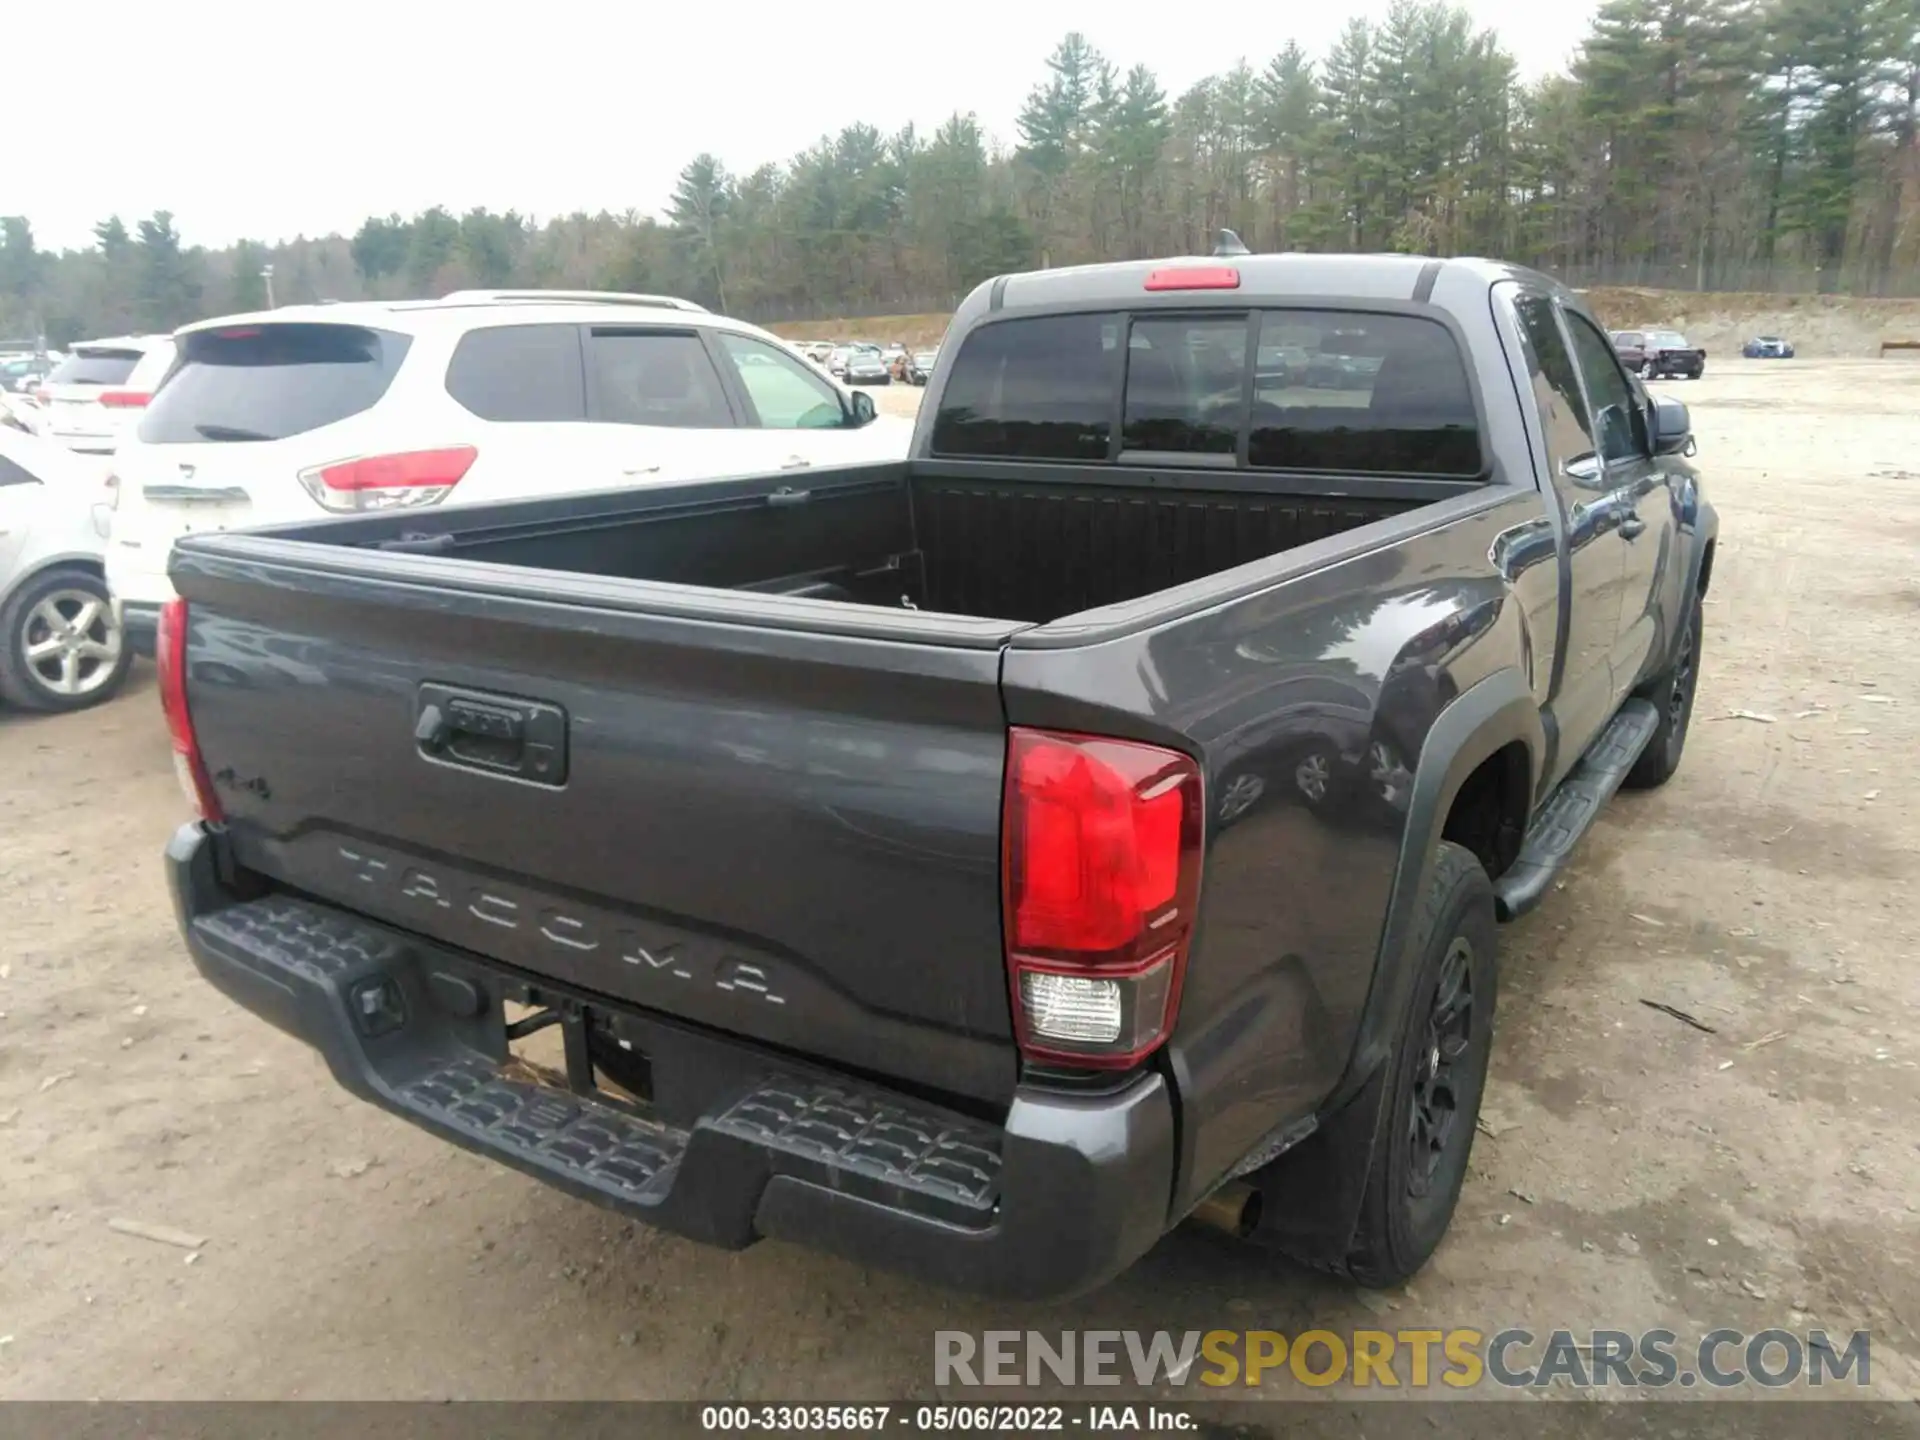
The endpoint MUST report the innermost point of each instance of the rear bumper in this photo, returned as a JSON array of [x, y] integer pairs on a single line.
[[138, 595], [736, 1144], [139, 625]]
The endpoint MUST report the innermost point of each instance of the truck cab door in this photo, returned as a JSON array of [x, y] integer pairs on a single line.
[[1643, 495], [1582, 694]]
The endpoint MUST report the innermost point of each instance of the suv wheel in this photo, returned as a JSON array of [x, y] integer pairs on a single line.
[[1418, 1159], [59, 646]]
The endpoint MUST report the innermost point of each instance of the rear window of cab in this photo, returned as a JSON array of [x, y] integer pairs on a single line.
[[1314, 390]]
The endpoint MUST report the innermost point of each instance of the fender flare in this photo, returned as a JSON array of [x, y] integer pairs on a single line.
[[1484, 719], [1316, 1188], [1706, 530]]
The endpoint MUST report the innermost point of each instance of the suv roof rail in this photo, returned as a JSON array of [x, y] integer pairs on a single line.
[[581, 297]]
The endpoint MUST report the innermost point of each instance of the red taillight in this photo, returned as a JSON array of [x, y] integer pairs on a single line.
[[125, 399], [389, 482], [1100, 879], [1194, 277], [170, 658]]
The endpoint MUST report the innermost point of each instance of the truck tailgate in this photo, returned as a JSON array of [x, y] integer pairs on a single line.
[[781, 833]]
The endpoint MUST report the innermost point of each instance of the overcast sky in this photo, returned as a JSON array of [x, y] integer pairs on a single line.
[[271, 120]]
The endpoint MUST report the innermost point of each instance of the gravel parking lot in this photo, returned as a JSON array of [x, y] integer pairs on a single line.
[[1634, 1170]]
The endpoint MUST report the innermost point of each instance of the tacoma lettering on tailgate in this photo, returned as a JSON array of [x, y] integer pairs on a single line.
[[440, 902]]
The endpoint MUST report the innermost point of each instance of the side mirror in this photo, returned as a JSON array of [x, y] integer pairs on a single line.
[[1672, 427], [861, 411]]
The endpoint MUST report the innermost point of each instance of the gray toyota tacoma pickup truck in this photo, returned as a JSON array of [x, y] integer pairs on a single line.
[[980, 864]]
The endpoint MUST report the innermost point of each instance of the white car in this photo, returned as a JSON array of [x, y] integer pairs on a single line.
[[484, 395], [95, 395], [60, 645]]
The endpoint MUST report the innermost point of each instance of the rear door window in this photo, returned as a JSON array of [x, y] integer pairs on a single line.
[[1039, 389], [1186, 385], [95, 367], [1361, 394], [653, 377], [267, 382], [520, 373]]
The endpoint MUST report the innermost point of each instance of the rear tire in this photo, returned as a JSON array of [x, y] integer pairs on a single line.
[[1672, 690], [1418, 1160], [60, 647]]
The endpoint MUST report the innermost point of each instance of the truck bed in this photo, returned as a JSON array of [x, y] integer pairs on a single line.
[[758, 727], [1024, 547]]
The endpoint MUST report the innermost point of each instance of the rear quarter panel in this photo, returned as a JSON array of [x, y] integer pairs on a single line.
[[1365, 652]]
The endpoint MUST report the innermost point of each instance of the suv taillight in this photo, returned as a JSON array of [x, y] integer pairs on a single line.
[[125, 399], [1100, 879], [170, 659], [389, 482]]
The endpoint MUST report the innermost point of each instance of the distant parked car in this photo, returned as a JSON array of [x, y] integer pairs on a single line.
[[860, 365], [97, 394], [920, 366], [61, 647], [1659, 354], [18, 373], [1767, 347]]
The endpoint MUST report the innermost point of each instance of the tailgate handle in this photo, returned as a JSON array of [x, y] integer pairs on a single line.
[[195, 494], [493, 734]]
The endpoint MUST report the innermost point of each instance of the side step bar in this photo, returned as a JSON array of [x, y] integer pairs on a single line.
[[1571, 810]]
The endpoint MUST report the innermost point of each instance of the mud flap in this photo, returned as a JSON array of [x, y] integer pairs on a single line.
[[1310, 1196]]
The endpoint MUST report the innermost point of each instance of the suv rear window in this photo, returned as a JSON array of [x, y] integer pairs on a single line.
[[95, 367], [1340, 391], [266, 382]]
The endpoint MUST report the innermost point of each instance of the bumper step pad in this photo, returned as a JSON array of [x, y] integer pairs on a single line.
[[831, 1131], [550, 1128]]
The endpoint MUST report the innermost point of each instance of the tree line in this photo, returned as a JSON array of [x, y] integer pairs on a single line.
[[1705, 144]]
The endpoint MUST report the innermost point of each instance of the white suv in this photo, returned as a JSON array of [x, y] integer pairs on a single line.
[[484, 395], [94, 396]]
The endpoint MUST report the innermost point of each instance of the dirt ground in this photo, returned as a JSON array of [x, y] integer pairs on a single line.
[[1826, 326], [1639, 1171]]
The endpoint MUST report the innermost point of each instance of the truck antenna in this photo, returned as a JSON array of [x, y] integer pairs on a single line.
[[1226, 242]]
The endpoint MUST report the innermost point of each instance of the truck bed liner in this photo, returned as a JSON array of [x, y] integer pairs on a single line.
[[1026, 549]]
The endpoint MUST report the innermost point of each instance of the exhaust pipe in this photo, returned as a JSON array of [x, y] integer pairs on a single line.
[[1233, 1209]]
